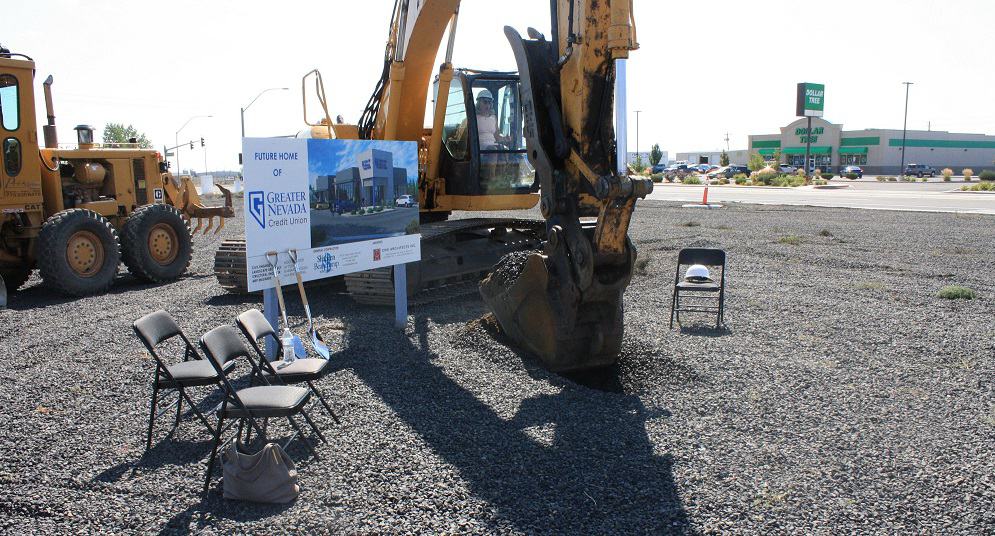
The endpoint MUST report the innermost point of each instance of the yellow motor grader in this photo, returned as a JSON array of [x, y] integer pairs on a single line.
[[76, 213]]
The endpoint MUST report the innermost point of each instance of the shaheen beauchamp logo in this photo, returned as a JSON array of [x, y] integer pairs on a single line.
[[257, 207]]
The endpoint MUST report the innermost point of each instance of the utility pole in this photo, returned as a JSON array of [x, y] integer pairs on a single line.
[[727, 142], [901, 169], [637, 135]]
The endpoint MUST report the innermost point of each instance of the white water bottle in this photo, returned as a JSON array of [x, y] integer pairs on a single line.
[[287, 341]]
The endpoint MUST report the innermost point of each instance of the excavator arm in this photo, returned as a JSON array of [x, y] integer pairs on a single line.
[[565, 303]]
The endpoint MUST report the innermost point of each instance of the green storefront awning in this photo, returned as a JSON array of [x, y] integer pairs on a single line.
[[824, 149], [766, 152], [853, 150]]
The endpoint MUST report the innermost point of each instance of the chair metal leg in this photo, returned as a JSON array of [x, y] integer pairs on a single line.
[[304, 438], [321, 399], [155, 398], [214, 451], [673, 302], [179, 408], [313, 427]]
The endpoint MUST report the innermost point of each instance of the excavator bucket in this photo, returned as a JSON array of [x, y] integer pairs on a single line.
[[549, 316]]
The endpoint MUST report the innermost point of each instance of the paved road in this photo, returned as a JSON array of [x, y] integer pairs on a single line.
[[927, 197]]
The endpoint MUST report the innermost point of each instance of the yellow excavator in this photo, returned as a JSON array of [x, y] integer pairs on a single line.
[[506, 141]]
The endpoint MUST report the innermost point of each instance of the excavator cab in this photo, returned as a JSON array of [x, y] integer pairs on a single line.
[[484, 149]]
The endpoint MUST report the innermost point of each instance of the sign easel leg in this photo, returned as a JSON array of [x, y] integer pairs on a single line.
[[400, 296]]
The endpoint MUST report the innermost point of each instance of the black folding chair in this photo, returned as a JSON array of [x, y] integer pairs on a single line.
[[222, 346], [702, 297], [255, 327], [155, 328]]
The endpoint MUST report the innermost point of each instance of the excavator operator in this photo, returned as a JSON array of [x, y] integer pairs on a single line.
[[487, 127]]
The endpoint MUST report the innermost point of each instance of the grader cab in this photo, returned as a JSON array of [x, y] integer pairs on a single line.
[[76, 213]]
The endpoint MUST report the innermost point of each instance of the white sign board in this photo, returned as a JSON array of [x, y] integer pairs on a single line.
[[308, 195]]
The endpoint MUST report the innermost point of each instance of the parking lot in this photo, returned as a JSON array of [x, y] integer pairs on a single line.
[[844, 393], [867, 193]]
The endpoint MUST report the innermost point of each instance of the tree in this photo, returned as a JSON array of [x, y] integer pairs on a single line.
[[118, 133], [724, 159], [756, 162], [655, 154]]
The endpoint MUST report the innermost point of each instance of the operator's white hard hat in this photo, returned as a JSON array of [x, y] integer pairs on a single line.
[[485, 94], [697, 273]]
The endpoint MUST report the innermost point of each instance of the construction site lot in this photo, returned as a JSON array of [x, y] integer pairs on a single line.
[[843, 396]]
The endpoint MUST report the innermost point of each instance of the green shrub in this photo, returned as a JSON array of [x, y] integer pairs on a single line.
[[967, 173], [723, 180], [947, 173], [765, 175], [957, 292], [923, 179], [892, 179], [791, 240], [881, 178], [853, 176], [908, 178], [987, 175], [980, 187], [820, 182], [692, 179], [828, 176], [657, 177], [740, 178]]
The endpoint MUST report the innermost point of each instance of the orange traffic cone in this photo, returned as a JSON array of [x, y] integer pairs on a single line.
[[704, 196]]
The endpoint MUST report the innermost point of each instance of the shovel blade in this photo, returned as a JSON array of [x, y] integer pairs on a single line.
[[299, 349], [319, 344], [3, 293]]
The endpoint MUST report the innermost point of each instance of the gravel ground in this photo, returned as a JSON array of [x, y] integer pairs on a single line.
[[844, 397]]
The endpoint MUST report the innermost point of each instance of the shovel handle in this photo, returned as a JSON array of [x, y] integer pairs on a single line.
[[300, 285], [276, 284]]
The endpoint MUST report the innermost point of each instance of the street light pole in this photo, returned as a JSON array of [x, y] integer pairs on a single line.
[[254, 100], [270, 309], [905, 122], [176, 139]]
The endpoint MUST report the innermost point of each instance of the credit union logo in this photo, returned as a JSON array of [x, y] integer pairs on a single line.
[[257, 207]]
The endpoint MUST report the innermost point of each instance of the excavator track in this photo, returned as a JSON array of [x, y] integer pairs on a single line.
[[456, 255]]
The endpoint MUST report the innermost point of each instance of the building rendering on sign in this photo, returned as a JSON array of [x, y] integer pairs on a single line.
[[876, 150], [373, 182]]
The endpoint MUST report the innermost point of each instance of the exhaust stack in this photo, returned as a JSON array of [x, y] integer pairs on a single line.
[[51, 137]]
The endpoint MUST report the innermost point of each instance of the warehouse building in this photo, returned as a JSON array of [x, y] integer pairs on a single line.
[[737, 157], [876, 150]]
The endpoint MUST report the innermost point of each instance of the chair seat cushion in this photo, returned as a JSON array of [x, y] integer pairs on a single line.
[[270, 401], [699, 287], [311, 368], [193, 373]]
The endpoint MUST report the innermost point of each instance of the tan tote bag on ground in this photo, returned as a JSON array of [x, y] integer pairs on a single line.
[[268, 476]]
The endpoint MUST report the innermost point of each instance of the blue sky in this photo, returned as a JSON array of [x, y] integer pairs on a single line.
[[327, 157]]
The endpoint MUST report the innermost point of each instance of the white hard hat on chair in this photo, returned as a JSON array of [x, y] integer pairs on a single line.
[[697, 273]]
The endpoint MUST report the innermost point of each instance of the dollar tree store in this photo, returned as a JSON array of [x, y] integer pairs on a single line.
[[878, 151]]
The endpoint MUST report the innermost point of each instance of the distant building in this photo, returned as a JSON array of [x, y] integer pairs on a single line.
[[876, 150], [646, 157], [737, 157]]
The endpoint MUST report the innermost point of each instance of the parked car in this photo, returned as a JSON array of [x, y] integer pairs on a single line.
[[846, 170], [787, 169], [717, 172], [920, 170], [700, 168], [658, 168], [406, 201], [736, 170]]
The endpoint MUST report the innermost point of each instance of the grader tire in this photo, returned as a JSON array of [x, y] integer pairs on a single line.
[[78, 252], [156, 244]]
